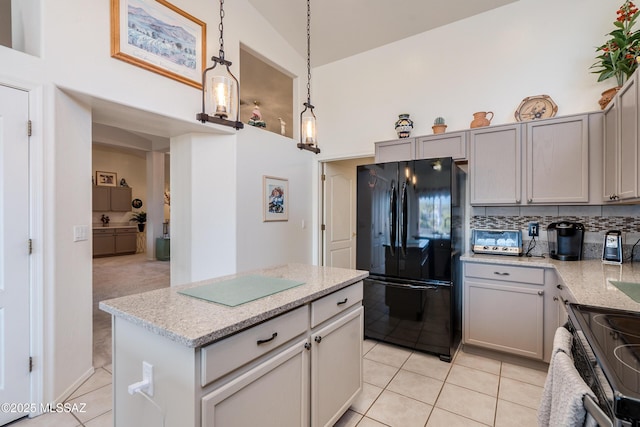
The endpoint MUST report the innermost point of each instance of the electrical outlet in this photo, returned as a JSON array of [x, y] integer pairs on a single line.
[[533, 229]]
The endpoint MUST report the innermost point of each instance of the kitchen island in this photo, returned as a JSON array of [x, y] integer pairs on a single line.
[[290, 358]]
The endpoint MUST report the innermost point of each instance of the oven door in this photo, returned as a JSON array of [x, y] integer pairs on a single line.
[[410, 314]]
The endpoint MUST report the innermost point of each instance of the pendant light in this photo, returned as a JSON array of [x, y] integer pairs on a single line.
[[220, 89], [308, 135]]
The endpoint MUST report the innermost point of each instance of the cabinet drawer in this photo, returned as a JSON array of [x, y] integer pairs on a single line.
[[531, 275], [334, 303], [99, 231], [125, 230], [224, 356]]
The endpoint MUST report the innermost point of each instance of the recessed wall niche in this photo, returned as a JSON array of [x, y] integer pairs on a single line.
[[265, 84]]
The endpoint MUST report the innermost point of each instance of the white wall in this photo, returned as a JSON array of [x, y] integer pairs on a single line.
[[262, 244], [488, 62]]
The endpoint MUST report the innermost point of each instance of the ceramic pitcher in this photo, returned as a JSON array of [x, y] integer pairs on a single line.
[[480, 119]]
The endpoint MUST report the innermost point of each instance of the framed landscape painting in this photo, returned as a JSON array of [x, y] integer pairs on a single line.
[[275, 199], [159, 37]]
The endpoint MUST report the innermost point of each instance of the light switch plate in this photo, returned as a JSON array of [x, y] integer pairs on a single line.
[[80, 233]]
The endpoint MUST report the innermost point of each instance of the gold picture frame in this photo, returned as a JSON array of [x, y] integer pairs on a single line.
[[275, 199], [106, 179], [178, 53]]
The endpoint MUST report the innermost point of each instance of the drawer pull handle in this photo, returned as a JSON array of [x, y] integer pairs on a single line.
[[275, 334], [501, 273], [343, 301], [555, 298], [559, 287], [318, 339], [540, 293]]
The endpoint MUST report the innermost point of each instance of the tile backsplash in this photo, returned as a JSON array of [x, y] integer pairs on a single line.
[[596, 220]]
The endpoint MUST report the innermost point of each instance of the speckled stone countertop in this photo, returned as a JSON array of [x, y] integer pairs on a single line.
[[195, 323], [588, 281]]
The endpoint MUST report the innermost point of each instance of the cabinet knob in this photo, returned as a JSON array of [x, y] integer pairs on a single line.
[[540, 293], [555, 298], [517, 200], [318, 339], [307, 346], [529, 200], [559, 287]]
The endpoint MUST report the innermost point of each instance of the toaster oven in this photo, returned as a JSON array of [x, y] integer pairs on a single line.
[[496, 242]]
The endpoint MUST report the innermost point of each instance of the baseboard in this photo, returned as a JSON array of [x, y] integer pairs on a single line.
[[73, 387]]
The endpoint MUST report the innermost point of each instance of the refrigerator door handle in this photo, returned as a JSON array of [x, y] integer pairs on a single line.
[[403, 220], [404, 285], [393, 208]]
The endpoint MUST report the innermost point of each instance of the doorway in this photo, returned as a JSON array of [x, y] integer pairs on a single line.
[[339, 211]]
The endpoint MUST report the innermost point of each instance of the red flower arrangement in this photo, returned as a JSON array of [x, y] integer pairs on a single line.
[[618, 55]]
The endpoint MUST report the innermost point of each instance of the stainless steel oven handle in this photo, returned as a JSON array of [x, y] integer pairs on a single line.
[[596, 412]]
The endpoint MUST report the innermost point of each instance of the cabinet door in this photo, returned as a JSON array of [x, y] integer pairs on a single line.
[[120, 199], [395, 151], [273, 394], [125, 241], [336, 367], [101, 199], [558, 160], [628, 141], [610, 151], [505, 317], [450, 145], [103, 243], [495, 165]]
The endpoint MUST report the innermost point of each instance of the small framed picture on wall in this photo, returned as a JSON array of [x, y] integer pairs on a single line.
[[275, 199], [108, 179]]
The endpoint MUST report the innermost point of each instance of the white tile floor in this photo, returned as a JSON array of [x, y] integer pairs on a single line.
[[401, 388]]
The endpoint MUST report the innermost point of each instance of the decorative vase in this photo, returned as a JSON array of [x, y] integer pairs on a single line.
[[607, 96], [439, 128], [141, 227], [404, 126], [480, 119]]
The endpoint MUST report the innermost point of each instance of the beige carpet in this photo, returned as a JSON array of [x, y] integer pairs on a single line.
[[116, 277]]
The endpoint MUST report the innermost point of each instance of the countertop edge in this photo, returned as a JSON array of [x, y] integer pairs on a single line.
[[218, 334]]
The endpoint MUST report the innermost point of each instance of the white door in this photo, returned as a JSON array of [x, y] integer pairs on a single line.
[[339, 201], [14, 252]]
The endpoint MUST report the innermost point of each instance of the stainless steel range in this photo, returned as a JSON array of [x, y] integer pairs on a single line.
[[607, 354]]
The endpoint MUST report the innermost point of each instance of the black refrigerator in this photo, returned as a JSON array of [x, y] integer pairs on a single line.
[[409, 237]]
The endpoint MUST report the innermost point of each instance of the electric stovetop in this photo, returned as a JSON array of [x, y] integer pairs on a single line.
[[614, 336]]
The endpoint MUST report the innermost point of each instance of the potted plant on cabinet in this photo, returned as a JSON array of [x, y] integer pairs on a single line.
[[139, 217], [618, 55], [438, 125]]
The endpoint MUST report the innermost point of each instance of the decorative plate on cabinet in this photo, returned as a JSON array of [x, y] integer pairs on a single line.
[[136, 203], [536, 107]]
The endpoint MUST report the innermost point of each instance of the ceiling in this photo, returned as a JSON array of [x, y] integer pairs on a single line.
[[342, 28]]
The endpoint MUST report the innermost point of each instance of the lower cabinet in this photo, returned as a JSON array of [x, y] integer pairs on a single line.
[[504, 308], [274, 393], [114, 241], [301, 368]]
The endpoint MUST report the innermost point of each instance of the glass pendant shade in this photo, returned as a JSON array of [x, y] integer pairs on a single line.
[[220, 95], [308, 128]]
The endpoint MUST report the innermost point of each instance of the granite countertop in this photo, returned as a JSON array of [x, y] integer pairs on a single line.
[[588, 281], [195, 323]]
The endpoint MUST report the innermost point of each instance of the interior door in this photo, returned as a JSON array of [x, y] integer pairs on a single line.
[[340, 213], [14, 250]]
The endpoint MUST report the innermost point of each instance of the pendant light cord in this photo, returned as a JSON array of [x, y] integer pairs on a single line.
[[221, 28], [308, 51]]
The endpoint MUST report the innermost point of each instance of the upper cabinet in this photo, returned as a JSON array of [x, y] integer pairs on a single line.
[[396, 150], [495, 165], [111, 199], [552, 161], [558, 160], [621, 145], [452, 144]]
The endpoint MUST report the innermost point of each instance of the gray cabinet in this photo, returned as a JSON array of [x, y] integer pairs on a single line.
[[111, 199], [395, 150], [452, 144], [114, 241], [621, 175], [557, 160], [504, 308], [495, 165]]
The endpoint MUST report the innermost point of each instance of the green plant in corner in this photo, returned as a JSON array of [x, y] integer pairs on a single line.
[[139, 217], [618, 55]]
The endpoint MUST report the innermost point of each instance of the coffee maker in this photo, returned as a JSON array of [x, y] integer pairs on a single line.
[[565, 240]]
